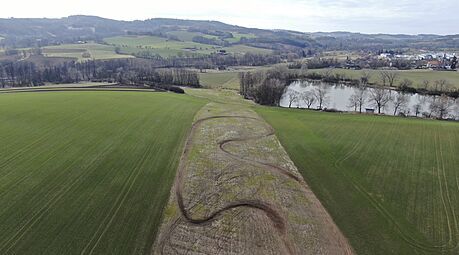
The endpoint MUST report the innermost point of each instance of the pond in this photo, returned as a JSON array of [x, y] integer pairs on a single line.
[[338, 96]]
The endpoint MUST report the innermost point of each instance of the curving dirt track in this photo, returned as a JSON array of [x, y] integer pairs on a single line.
[[187, 233], [268, 209]]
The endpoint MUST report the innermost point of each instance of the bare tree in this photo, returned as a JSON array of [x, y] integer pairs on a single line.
[[353, 102], [388, 77], [328, 72], [406, 83], [418, 106], [425, 84], [441, 85], [358, 99], [365, 77], [380, 97], [269, 92], [457, 109], [400, 102], [361, 95], [417, 109], [320, 93], [293, 96], [383, 77], [441, 106], [308, 98], [392, 77]]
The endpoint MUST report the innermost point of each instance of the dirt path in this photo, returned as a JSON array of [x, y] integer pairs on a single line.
[[237, 192]]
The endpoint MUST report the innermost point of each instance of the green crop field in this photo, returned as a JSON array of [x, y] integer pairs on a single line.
[[188, 36], [391, 184], [416, 76], [95, 51], [88, 172], [237, 37], [166, 48], [226, 80], [159, 45]]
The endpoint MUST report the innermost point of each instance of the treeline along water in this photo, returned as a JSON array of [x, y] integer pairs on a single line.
[[338, 96]]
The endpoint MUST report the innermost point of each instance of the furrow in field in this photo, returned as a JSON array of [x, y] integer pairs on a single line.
[[381, 208], [108, 220], [34, 218], [450, 203], [49, 133]]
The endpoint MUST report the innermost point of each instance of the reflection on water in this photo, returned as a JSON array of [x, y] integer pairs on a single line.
[[338, 97]]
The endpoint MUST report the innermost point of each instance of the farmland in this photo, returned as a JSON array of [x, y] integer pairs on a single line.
[[237, 37], [88, 172], [227, 80], [166, 48], [83, 51], [391, 184], [416, 76]]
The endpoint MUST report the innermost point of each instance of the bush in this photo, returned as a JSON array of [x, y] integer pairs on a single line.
[[177, 90]]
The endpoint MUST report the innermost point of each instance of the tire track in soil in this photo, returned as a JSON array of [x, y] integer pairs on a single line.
[[268, 209], [273, 214]]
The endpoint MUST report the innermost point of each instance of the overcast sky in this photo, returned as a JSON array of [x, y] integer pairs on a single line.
[[367, 16]]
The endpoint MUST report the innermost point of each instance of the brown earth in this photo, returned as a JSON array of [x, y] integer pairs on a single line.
[[237, 192]]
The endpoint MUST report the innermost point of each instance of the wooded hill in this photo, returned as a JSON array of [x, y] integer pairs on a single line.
[[42, 32]]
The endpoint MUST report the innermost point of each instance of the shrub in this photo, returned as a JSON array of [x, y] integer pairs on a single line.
[[176, 89]]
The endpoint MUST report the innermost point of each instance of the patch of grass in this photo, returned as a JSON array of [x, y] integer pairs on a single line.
[[188, 36], [416, 76], [227, 80], [83, 51], [237, 37], [88, 171], [241, 49], [391, 184]]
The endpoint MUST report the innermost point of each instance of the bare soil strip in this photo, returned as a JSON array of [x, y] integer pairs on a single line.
[[237, 192]]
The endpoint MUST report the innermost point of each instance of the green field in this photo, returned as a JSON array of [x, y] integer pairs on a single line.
[[226, 80], [96, 51], [166, 48], [416, 76], [391, 184], [188, 36], [237, 37], [159, 45], [88, 172]]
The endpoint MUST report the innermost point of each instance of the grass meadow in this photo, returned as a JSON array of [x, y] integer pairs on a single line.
[[391, 184], [88, 172], [167, 48], [96, 51], [225, 80]]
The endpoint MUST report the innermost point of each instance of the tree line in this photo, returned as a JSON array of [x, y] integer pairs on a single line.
[[211, 61], [378, 97], [124, 71], [268, 88]]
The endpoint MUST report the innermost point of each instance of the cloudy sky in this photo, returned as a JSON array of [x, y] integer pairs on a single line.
[[367, 16]]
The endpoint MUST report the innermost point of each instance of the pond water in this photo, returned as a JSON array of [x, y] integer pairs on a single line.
[[338, 97]]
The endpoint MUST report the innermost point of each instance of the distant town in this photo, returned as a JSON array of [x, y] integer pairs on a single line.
[[439, 60]]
